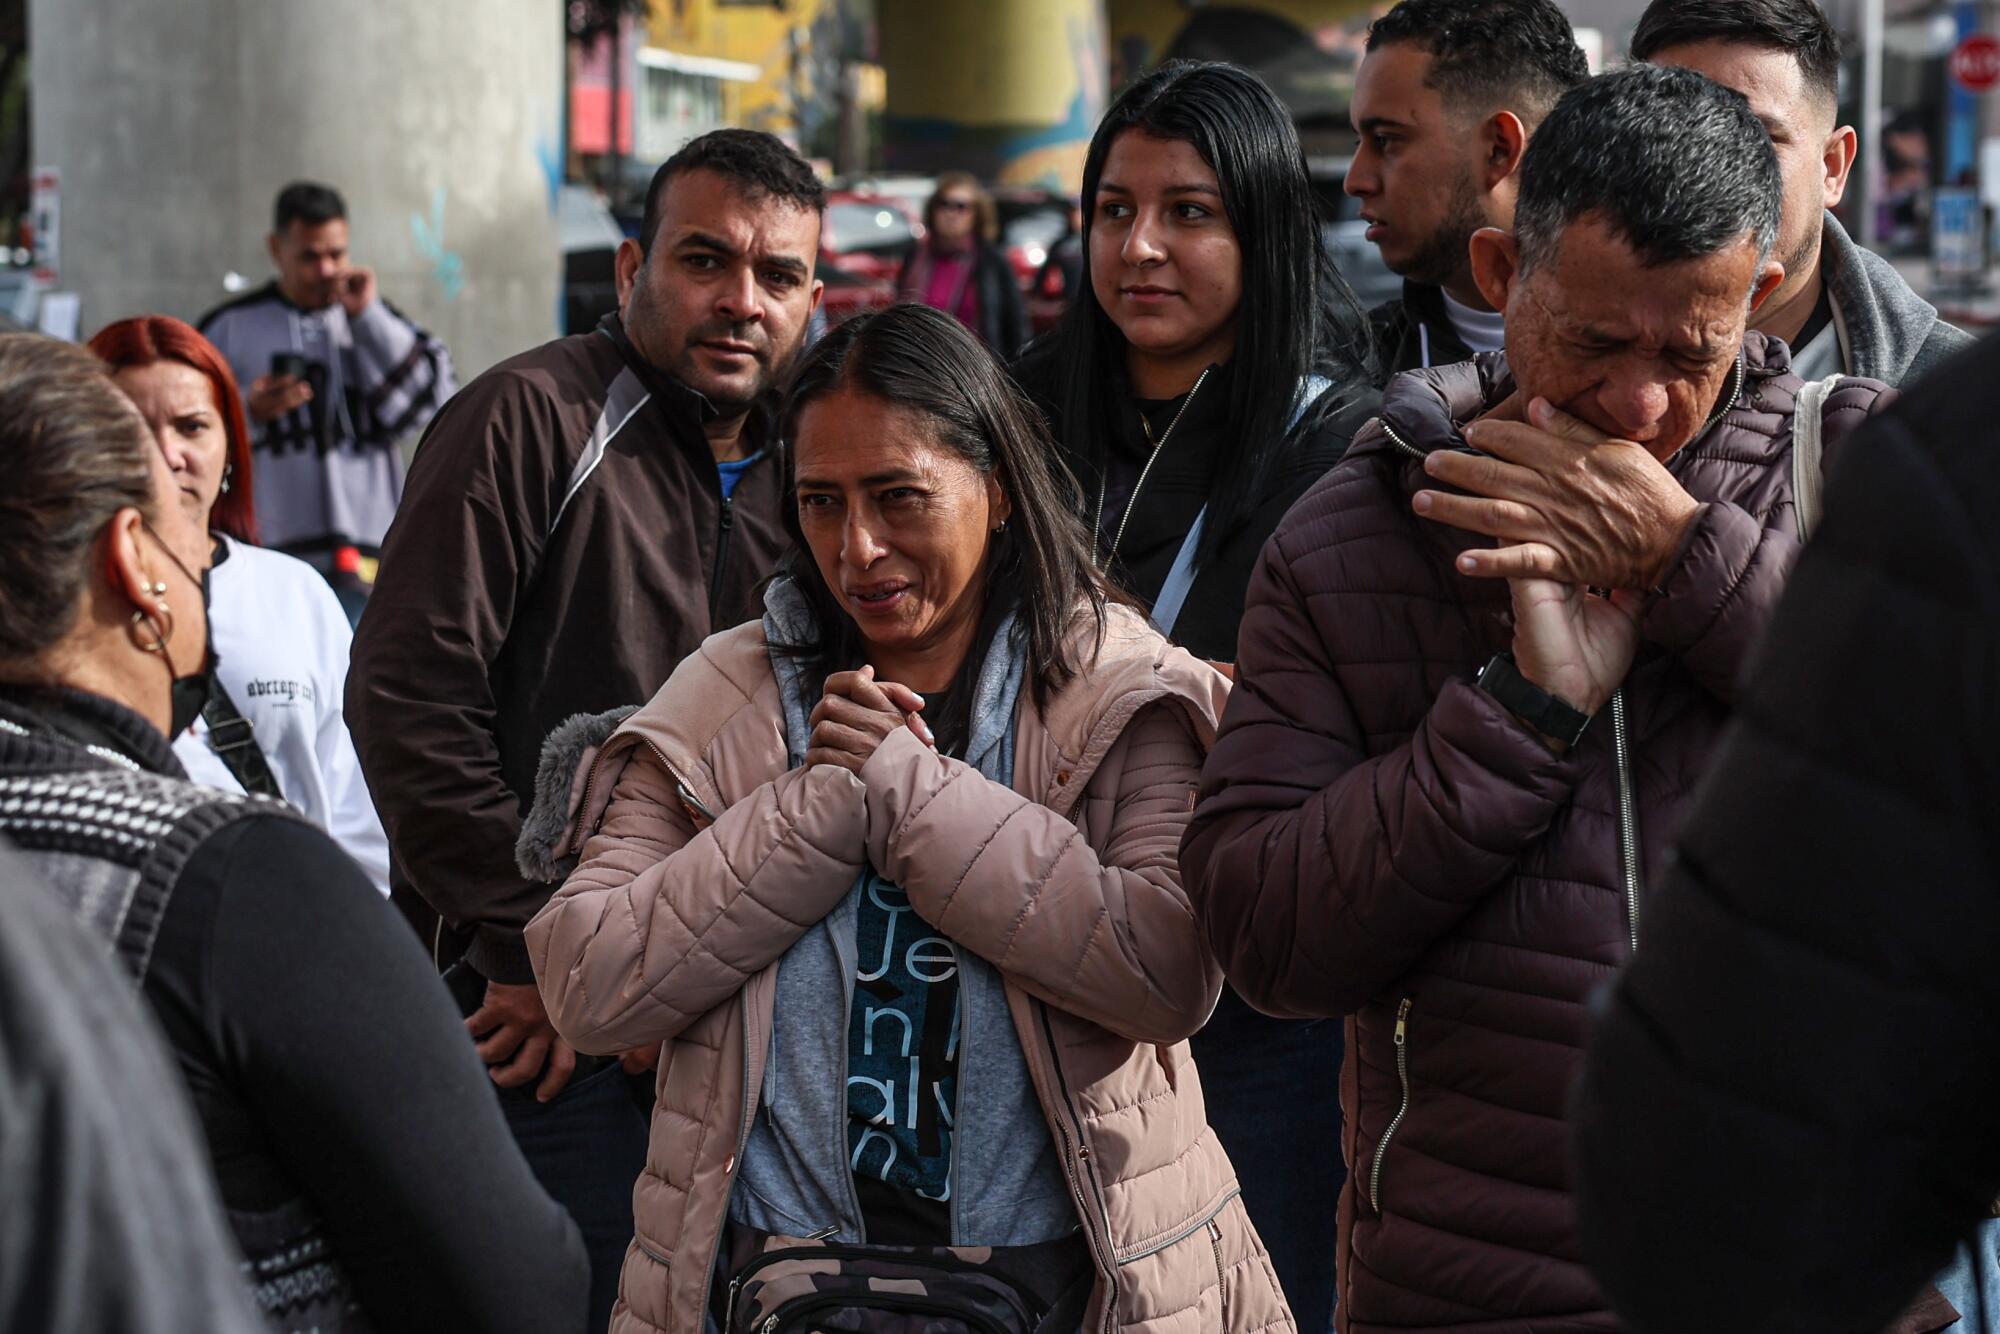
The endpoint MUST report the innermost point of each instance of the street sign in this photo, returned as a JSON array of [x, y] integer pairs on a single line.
[[1958, 235], [1975, 63]]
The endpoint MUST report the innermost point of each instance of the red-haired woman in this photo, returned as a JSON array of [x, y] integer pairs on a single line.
[[279, 637]]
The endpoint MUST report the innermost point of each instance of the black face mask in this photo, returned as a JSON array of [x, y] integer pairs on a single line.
[[189, 694]]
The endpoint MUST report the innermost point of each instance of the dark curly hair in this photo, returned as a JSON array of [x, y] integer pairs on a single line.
[[1799, 28], [1520, 54], [760, 163]]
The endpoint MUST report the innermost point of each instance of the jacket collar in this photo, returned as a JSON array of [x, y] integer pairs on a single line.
[[1882, 324], [682, 402], [727, 688], [57, 727], [1423, 410]]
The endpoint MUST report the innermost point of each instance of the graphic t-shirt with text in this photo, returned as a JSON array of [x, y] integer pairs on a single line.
[[902, 1069]]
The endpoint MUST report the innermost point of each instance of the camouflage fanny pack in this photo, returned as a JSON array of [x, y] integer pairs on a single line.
[[795, 1285]]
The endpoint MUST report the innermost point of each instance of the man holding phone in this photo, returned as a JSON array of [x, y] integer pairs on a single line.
[[334, 377]]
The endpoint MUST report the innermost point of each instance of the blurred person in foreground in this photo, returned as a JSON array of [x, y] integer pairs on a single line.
[[1449, 766], [1445, 101], [1841, 309], [959, 268], [1208, 373], [367, 1176], [580, 518], [335, 378], [273, 723], [109, 1223], [1786, 1117], [891, 873]]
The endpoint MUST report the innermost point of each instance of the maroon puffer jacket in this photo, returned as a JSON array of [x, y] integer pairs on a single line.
[[1378, 838]]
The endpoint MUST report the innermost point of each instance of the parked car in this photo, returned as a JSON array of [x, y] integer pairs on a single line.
[[850, 294], [866, 236], [862, 241], [908, 189], [1345, 235]]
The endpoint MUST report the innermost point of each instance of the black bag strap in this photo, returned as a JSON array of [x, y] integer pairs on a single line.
[[233, 741]]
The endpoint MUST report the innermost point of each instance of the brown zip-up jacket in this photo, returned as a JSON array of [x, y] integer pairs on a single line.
[[704, 858], [1379, 838], [562, 544]]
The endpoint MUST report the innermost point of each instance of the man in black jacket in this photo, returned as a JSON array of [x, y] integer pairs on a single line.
[[1444, 103], [578, 520], [1787, 1114]]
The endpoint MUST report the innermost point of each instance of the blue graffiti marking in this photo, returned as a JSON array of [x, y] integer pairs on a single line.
[[446, 265]]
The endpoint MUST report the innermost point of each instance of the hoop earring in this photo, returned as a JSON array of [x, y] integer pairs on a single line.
[[142, 617]]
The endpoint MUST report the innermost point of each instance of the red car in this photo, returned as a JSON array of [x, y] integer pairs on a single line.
[[862, 243]]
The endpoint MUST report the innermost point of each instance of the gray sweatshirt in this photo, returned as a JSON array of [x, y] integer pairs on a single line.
[[1881, 329], [328, 474]]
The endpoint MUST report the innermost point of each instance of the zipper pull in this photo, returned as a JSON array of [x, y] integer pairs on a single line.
[[1403, 1022], [729, 1311]]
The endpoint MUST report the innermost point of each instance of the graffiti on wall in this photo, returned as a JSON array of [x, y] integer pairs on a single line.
[[447, 266]]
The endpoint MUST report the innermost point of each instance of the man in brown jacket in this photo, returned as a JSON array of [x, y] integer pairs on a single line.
[[1406, 819], [578, 520]]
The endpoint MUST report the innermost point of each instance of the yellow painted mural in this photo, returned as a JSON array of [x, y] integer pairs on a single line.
[[777, 39]]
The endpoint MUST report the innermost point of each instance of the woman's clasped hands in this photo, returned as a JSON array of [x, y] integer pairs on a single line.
[[857, 713]]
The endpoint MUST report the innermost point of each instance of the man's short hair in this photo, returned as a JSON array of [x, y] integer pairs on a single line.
[[1673, 162], [1799, 28], [1516, 55], [307, 202], [759, 163]]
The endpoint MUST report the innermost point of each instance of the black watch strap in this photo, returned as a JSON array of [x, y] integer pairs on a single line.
[[1551, 715]]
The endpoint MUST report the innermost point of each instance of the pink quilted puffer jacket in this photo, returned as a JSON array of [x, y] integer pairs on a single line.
[[704, 858]]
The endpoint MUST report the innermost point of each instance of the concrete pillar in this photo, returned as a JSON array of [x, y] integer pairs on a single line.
[[1010, 91], [174, 125]]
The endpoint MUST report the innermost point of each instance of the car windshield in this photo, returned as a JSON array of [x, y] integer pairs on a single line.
[[866, 225]]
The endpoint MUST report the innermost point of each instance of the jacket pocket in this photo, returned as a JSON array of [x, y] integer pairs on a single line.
[[1402, 1040], [657, 1256]]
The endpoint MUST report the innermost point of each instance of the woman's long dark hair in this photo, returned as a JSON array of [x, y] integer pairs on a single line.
[[1039, 566], [1297, 316]]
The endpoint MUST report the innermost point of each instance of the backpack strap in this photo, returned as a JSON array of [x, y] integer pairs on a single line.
[[1808, 451], [235, 743], [1180, 578]]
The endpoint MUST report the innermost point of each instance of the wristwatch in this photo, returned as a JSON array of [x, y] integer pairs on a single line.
[[1551, 715]]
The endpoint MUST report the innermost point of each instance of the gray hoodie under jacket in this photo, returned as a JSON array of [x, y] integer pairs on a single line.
[[1881, 329]]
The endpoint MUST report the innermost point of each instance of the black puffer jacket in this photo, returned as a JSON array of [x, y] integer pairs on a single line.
[[1787, 1114]]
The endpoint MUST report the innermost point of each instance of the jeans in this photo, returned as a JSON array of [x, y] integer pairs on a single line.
[[1971, 1282], [1273, 1091], [587, 1147]]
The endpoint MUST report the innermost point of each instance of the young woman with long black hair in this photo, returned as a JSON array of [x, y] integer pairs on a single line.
[[1213, 366]]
